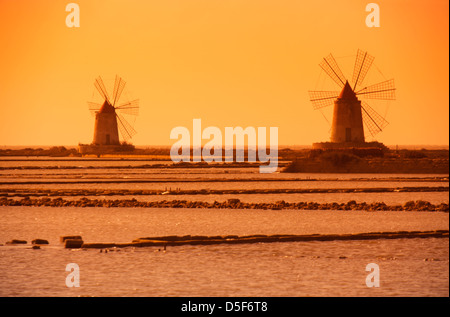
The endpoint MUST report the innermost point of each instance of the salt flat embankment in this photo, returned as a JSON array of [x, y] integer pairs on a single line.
[[229, 204]]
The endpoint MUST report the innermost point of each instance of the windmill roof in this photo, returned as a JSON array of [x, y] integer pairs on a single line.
[[106, 108], [347, 92]]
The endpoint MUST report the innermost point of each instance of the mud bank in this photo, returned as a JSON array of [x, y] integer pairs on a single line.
[[210, 240], [419, 205], [353, 164], [12, 192]]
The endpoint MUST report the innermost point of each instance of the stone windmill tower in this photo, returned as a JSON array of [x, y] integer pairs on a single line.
[[351, 114], [347, 125], [105, 129]]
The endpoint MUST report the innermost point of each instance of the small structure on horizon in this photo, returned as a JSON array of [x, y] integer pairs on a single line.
[[109, 120], [351, 114]]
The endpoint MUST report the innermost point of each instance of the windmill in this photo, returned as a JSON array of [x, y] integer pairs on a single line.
[[109, 115], [349, 112]]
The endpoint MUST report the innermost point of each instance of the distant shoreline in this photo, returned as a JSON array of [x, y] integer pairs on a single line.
[[293, 147], [351, 160]]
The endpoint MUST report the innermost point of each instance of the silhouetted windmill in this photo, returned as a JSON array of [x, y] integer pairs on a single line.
[[349, 112], [109, 116]]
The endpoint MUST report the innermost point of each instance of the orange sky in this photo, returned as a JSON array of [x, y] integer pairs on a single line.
[[229, 63]]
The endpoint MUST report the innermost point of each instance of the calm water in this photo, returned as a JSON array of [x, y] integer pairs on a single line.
[[270, 269], [278, 269], [408, 267]]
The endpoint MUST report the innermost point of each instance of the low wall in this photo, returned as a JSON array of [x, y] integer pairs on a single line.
[[211, 240]]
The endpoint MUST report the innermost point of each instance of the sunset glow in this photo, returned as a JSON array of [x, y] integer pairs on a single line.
[[228, 63]]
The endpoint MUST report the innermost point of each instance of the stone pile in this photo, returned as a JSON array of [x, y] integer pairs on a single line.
[[229, 204]]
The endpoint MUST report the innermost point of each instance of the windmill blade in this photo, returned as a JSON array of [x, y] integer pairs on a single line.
[[374, 122], [384, 91], [131, 107], [101, 88], [326, 119], [362, 65], [94, 107], [119, 85], [126, 137], [332, 69], [322, 99], [126, 130]]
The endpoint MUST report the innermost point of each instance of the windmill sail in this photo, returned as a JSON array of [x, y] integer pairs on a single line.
[[94, 107], [374, 122], [119, 85], [131, 108], [125, 128], [101, 88], [383, 91], [362, 66], [322, 99], [332, 69]]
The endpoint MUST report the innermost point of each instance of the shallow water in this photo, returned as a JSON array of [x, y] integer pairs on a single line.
[[408, 267], [273, 269], [165, 184], [335, 268], [125, 224]]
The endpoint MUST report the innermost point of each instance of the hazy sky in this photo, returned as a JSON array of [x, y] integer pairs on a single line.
[[228, 62]]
